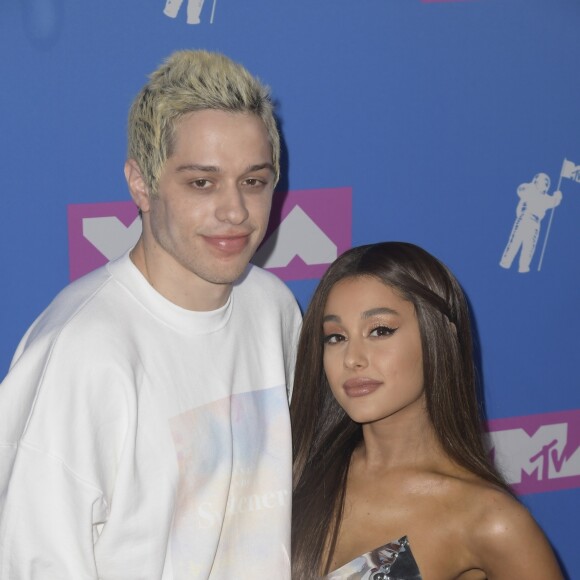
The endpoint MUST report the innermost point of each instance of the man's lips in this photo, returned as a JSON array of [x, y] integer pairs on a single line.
[[232, 244], [360, 386]]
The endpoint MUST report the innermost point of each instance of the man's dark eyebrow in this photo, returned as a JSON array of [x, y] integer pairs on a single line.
[[214, 169], [197, 167], [260, 166]]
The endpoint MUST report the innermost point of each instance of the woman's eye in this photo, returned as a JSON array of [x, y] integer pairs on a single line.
[[382, 331], [333, 338]]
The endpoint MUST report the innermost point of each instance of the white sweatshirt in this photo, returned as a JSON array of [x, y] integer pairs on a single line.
[[139, 440]]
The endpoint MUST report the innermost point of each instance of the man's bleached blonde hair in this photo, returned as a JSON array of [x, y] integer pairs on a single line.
[[188, 81]]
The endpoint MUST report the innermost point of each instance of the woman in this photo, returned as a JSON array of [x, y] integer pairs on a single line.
[[387, 439]]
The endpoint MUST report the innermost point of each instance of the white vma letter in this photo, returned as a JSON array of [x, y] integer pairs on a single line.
[[110, 236], [517, 452], [297, 235]]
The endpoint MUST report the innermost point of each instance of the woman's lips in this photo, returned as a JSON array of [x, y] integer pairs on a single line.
[[360, 386]]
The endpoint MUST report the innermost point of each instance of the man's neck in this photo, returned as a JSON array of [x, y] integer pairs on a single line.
[[179, 286]]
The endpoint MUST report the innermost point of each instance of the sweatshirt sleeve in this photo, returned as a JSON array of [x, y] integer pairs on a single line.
[[62, 424], [47, 518]]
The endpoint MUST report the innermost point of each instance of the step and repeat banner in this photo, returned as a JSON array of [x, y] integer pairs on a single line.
[[451, 124]]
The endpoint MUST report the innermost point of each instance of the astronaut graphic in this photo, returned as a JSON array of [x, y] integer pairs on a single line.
[[193, 10], [532, 206]]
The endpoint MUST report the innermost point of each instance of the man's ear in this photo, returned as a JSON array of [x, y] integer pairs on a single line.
[[137, 186]]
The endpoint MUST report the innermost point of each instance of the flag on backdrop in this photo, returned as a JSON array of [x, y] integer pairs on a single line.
[[570, 170]]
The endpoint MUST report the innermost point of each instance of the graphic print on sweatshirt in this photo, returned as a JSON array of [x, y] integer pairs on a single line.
[[233, 496]]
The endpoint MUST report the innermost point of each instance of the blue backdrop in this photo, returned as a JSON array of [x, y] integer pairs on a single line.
[[423, 117]]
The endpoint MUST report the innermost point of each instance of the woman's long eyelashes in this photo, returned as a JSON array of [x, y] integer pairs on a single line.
[[382, 330], [333, 338]]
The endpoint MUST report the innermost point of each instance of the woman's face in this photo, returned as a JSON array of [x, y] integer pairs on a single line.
[[372, 351]]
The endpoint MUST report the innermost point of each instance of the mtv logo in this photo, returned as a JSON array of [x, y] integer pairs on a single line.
[[99, 232], [539, 452], [308, 230]]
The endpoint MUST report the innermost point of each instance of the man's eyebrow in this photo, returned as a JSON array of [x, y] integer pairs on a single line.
[[215, 169], [260, 166], [197, 167]]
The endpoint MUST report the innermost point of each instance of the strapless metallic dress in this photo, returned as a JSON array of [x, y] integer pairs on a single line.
[[393, 561]]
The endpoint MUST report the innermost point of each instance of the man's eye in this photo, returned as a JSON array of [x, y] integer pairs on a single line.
[[382, 331], [201, 183], [253, 182]]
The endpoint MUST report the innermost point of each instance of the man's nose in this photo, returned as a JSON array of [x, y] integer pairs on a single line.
[[232, 206]]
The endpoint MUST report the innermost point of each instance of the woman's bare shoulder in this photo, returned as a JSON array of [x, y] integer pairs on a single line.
[[493, 531], [506, 539]]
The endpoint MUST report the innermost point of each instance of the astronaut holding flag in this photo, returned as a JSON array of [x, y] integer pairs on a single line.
[[532, 206]]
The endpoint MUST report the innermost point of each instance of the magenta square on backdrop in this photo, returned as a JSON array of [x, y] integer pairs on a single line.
[[331, 211], [83, 256], [540, 455]]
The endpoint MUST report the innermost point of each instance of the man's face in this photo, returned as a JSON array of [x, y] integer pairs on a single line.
[[214, 196]]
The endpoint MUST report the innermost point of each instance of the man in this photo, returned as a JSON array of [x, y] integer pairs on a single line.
[[145, 430], [532, 206]]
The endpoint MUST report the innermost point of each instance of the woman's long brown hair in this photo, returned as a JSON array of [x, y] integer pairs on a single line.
[[324, 437]]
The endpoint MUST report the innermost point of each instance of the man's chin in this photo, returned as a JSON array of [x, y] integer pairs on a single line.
[[227, 277]]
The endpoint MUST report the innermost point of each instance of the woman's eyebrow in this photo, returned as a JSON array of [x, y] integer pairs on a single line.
[[331, 318], [374, 311], [364, 315]]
